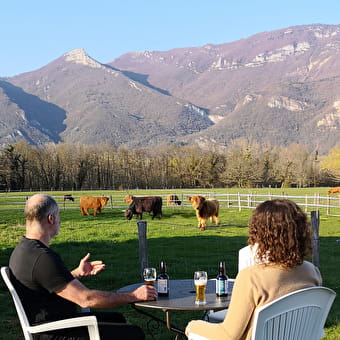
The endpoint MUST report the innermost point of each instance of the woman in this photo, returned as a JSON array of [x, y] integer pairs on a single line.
[[280, 230]]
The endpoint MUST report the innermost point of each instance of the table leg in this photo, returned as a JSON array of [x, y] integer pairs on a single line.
[[152, 318], [170, 327], [167, 323]]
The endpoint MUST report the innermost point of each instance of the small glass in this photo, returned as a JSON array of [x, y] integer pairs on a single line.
[[149, 275], [200, 279]]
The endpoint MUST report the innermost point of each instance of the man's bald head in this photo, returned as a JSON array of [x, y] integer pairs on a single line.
[[39, 206]]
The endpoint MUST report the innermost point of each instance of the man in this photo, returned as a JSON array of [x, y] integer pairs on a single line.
[[49, 291]]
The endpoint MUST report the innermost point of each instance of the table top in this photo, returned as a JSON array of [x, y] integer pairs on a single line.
[[182, 297]]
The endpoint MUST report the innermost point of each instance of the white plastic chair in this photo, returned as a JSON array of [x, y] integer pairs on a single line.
[[84, 321], [300, 315], [247, 257]]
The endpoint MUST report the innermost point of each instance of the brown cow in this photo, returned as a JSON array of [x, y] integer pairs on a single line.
[[95, 203], [172, 200], [205, 209], [334, 190]]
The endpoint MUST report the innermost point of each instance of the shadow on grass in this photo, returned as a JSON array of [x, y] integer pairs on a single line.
[[183, 254]]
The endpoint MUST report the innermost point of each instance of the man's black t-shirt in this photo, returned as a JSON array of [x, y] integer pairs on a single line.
[[37, 272]]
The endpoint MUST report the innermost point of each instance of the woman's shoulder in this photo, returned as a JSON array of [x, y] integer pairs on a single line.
[[263, 271]]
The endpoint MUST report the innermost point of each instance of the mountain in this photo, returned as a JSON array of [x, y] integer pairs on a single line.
[[277, 87], [98, 103]]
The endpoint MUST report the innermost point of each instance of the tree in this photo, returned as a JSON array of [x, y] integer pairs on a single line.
[[13, 168], [330, 164], [243, 165]]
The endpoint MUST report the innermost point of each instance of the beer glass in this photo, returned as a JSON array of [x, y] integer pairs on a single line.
[[149, 275], [200, 279]]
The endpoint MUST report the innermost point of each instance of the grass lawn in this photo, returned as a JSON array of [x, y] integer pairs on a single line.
[[175, 239]]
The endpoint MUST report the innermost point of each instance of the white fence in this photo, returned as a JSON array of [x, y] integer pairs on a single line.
[[329, 205]]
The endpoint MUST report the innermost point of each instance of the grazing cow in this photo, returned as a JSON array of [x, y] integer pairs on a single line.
[[95, 203], [334, 190], [173, 200], [205, 209], [140, 204], [68, 197], [129, 198]]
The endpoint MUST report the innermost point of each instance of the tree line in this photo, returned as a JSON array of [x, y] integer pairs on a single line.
[[64, 166]]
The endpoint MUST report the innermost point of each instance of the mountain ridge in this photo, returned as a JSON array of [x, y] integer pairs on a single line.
[[277, 87]]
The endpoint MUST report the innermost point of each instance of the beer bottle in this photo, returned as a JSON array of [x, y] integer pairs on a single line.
[[221, 281], [163, 280]]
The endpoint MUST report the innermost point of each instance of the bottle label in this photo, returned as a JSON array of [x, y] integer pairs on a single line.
[[162, 286], [221, 287]]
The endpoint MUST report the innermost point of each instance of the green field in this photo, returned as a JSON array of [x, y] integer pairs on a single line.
[[175, 239]]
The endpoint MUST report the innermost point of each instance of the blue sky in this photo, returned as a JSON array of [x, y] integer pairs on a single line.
[[36, 32]]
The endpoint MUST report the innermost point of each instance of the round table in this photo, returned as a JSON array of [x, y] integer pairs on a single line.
[[181, 298]]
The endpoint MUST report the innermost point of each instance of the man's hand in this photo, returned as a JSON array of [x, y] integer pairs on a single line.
[[145, 293], [88, 268]]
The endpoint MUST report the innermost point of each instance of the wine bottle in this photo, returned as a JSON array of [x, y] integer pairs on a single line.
[[221, 281], [163, 280]]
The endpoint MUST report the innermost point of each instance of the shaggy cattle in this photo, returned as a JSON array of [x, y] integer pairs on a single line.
[[334, 190], [172, 200], [140, 204], [95, 203], [129, 198], [205, 209], [68, 197]]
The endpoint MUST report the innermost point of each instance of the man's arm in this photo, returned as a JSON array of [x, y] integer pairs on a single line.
[[76, 292]]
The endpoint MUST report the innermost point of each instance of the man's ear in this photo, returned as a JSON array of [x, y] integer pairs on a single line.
[[50, 219]]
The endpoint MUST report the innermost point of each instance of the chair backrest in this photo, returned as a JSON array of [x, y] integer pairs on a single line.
[[246, 257], [17, 302], [83, 321], [300, 315]]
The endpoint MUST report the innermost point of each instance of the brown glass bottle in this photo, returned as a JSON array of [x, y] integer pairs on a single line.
[[163, 280]]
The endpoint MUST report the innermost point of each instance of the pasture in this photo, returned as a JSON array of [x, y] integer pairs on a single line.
[[175, 239]]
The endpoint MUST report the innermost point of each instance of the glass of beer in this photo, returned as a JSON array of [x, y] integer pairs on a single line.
[[149, 275], [200, 279]]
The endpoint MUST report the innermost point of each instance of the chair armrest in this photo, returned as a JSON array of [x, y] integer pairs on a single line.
[[193, 336], [82, 321]]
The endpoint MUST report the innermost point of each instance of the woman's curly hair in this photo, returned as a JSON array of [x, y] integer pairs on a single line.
[[281, 231]]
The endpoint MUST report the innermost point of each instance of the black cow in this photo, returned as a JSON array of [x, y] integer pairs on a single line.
[[140, 204], [68, 197]]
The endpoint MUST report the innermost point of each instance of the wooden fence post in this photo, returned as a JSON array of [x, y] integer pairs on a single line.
[[143, 249], [315, 222]]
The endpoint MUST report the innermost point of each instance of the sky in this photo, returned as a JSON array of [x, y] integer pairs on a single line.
[[36, 32]]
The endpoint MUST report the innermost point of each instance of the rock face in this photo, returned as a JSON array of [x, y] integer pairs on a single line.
[[276, 87]]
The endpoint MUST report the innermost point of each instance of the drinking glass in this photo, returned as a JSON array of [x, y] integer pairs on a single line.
[[149, 275], [200, 279]]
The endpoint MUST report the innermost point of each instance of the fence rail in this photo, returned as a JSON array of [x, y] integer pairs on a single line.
[[329, 205]]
